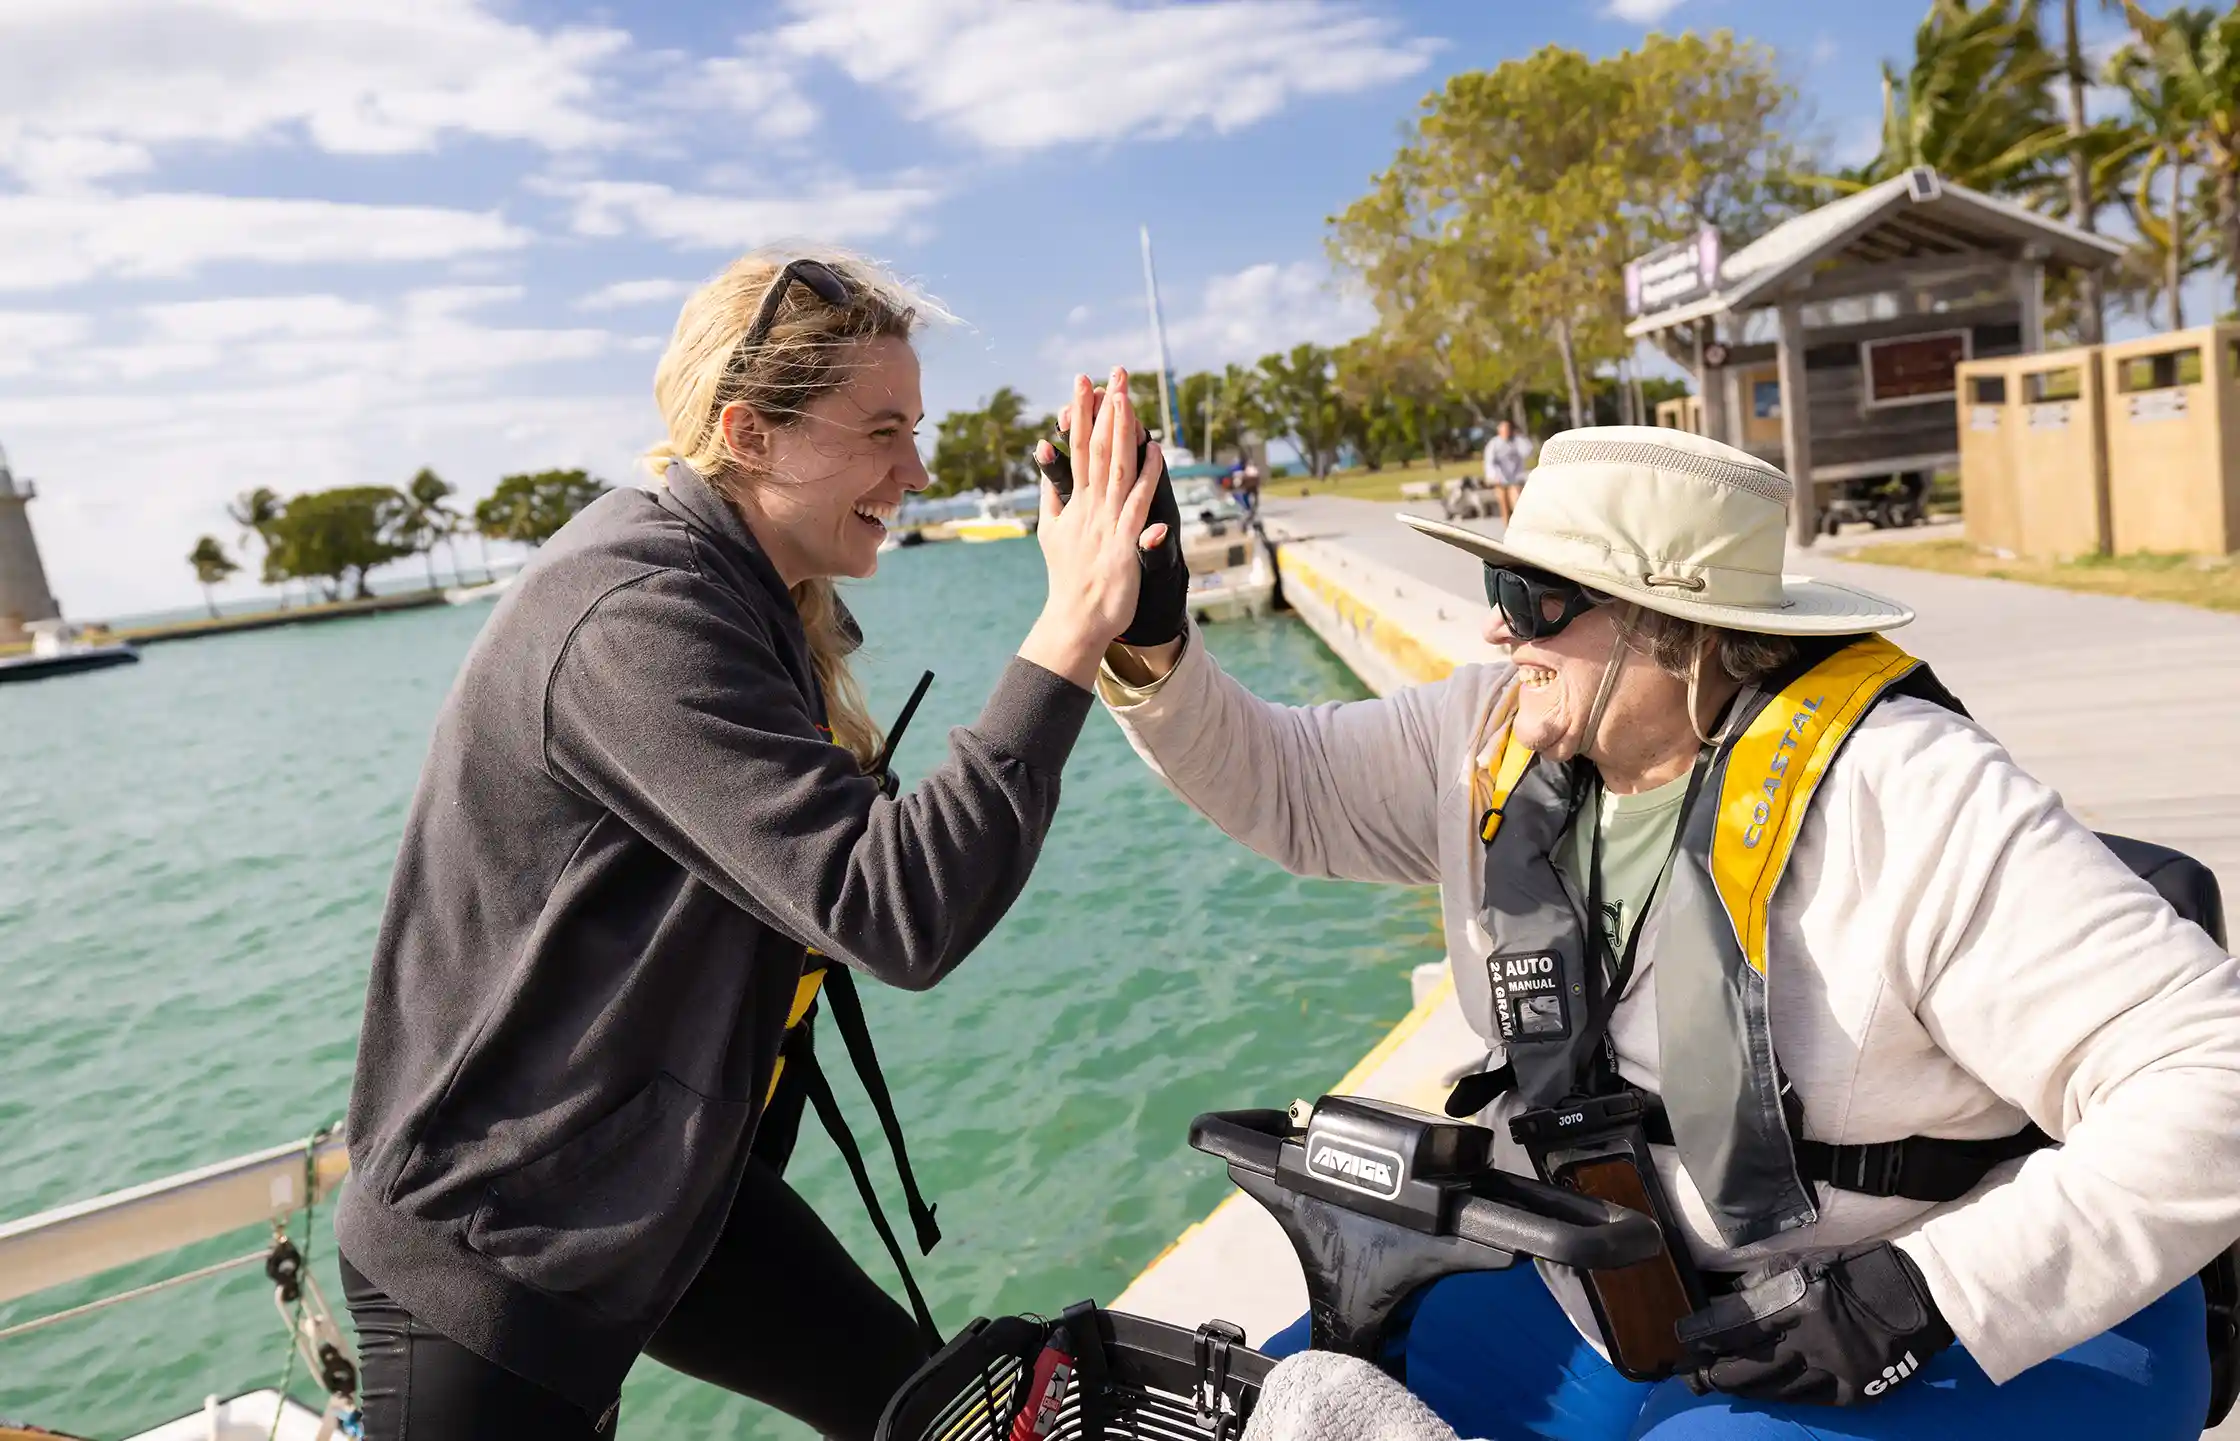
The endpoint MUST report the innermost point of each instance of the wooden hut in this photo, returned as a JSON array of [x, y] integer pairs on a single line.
[[1830, 345]]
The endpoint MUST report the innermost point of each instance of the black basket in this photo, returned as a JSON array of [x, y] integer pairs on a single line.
[[1132, 1377]]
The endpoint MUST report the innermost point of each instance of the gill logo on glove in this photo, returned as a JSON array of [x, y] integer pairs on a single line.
[[1368, 1169], [1892, 1375]]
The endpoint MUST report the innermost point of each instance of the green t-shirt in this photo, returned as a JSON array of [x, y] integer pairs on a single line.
[[1636, 837]]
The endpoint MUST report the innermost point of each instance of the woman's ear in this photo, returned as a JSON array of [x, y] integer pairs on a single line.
[[744, 434]]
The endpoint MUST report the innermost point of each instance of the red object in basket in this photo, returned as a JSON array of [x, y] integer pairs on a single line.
[[1053, 1371]]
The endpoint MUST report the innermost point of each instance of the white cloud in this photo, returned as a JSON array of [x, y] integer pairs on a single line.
[[55, 240], [71, 164], [352, 76], [764, 93], [1237, 319], [251, 317], [423, 334], [736, 222], [1021, 77], [28, 336], [1641, 12], [624, 293], [298, 392]]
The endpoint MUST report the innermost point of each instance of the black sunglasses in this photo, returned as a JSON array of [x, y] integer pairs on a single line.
[[818, 276], [1536, 604]]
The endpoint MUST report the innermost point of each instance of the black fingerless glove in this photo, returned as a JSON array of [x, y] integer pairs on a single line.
[[1841, 1331], [1164, 595]]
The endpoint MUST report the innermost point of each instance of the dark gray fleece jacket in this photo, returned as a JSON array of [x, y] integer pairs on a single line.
[[628, 828]]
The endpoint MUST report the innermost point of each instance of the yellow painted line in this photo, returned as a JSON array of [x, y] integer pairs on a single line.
[[1234, 1198], [1408, 1025], [1417, 659]]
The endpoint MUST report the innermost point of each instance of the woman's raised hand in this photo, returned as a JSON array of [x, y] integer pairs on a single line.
[[1089, 543]]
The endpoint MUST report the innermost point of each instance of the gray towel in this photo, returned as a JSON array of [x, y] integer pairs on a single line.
[[1323, 1396]]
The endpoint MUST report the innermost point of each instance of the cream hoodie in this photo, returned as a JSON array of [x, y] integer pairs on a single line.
[[1953, 954]]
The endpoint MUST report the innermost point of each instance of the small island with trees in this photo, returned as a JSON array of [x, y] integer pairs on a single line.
[[320, 547]]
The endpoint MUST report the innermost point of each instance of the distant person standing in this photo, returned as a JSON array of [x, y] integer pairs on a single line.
[[1508, 455], [1248, 489]]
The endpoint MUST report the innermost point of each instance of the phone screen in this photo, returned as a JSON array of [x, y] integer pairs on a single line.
[[1641, 1304]]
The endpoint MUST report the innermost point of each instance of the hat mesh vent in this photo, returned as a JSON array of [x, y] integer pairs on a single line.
[[1761, 481]]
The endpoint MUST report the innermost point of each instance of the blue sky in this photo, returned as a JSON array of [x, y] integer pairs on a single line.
[[308, 244]]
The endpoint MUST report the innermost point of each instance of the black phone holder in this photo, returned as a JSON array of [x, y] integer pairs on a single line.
[[1379, 1200]]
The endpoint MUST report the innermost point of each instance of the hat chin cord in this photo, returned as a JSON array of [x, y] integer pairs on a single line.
[[1627, 626]]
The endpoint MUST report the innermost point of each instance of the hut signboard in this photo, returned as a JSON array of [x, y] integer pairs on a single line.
[[1838, 333], [1673, 274], [1913, 369]]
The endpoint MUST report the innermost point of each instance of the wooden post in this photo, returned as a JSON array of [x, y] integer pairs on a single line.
[[1796, 427], [1711, 384], [2030, 289]]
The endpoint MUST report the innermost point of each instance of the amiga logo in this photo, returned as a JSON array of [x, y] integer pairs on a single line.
[[1371, 1170]]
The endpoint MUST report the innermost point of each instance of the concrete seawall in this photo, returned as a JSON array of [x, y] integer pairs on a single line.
[[1392, 628]]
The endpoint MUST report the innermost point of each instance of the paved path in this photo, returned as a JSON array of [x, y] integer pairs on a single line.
[[2131, 709]]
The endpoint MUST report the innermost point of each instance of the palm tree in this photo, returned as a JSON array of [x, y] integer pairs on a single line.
[[2084, 197], [427, 520], [2202, 67], [254, 511], [2164, 135], [1976, 105], [211, 566]]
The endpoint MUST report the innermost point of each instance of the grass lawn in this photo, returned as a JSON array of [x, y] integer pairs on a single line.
[[1369, 484], [2212, 582]]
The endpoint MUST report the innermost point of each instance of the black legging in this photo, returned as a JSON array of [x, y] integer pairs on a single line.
[[780, 1312]]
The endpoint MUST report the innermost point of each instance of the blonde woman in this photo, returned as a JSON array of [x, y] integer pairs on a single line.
[[644, 827]]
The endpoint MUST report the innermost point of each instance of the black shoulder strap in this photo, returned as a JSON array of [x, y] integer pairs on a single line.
[[1919, 1168], [828, 1111], [847, 1014]]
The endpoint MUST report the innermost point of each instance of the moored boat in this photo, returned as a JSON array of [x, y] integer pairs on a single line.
[[1232, 566], [57, 648]]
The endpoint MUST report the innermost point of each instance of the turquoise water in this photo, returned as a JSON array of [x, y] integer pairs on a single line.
[[194, 853]]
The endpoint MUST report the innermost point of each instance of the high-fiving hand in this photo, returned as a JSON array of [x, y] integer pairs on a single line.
[[1090, 542]]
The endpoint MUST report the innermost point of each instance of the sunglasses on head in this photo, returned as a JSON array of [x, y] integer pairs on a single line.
[[821, 279], [1536, 604]]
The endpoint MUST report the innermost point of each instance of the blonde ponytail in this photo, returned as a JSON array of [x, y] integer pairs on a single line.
[[807, 353]]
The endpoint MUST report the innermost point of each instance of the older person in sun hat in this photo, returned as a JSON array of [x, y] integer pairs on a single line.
[[1943, 1100]]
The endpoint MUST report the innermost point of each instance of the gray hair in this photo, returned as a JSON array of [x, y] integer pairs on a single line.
[[1674, 644], [1679, 648]]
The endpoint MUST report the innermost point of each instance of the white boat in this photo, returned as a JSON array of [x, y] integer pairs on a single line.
[[469, 594], [266, 1190], [992, 524], [57, 648], [1232, 567]]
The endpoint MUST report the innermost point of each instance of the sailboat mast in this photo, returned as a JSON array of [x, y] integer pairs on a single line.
[[1159, 341]]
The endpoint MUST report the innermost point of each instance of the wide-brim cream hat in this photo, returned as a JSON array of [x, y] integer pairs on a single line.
[[1675, 523]]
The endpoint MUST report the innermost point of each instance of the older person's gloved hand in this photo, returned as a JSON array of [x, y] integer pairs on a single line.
[[1323, 1396], [1841, 1331]]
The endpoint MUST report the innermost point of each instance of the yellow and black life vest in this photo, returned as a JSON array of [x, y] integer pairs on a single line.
[[1539, 991]]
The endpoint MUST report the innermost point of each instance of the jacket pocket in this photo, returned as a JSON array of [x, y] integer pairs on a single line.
[[622, 1216]]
